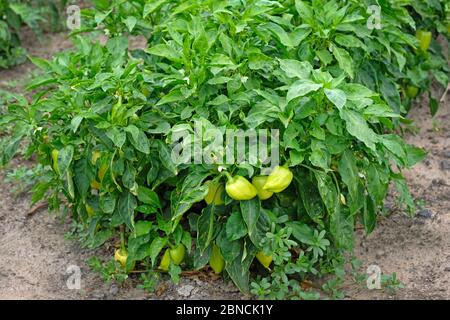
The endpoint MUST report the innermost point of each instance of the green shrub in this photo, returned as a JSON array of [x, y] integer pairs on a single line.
[[106, 118]]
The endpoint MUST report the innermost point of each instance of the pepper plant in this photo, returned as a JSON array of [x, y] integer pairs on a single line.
[[105, 118], [16, 13]]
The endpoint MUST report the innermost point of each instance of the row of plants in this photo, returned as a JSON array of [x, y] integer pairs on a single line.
[[104, 121], [14, 14]]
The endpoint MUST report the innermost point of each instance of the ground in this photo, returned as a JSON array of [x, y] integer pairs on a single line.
[[36, 253]]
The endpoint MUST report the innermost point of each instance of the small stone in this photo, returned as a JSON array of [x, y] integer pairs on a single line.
[[425, 213], [114, 289], [185, 291], [447, 269], [379, 254], [445, 165], [99, 296]]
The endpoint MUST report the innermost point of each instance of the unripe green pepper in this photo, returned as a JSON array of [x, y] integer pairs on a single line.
[[239, 188], [215, 191], [264, 260], [412, 91], [89, 210], [55, 154], [259, 183], [165, 261], [177, 254], [121, 256], [216, 261], [424, 38], [279, 179]]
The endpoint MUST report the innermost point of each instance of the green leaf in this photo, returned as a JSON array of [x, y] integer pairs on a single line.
[[250, 210], [281, 34], [130, 22], [238, 269], [148, 196], [355, 91], [349, 172], [396, 146], [125, 209], [349, 41], [107, 203], [83, 176], [414, 155], [143, 228], [39, 191], [163, 50], [230, 249], [390, 93], [434, 105], [301, 88], [337, 97], [70, 186], [151, 6], [404, 196], [118, 46], [310, 196], [166, 157], [201, 258], [117, 136], [324, 56], [65, 157], [304, 10], [192, 191], [369, 217], [358, 127], [75, 123], [341, 226], [40, 63], [295, 68], [344, 59], [205, 227], [235, 227], [155, 248], [377, 182], [301, 231], [172, 96]]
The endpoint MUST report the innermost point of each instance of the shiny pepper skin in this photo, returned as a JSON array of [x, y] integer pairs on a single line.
[[263, 259], [239, 188], [177, 254], [279, 179], [259, 183], [412, 91], [55, 154], [121, 256], [165, 261], [216, 261], [215, 191], [424, 38]]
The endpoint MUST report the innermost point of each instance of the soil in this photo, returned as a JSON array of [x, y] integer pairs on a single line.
[[36, 253]]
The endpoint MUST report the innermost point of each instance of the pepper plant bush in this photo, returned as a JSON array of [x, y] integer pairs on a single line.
[[16, 13], [104, 116], [385, 53]]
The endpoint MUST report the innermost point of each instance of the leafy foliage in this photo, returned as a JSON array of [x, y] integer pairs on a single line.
[[16, 13], [311, 69]]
